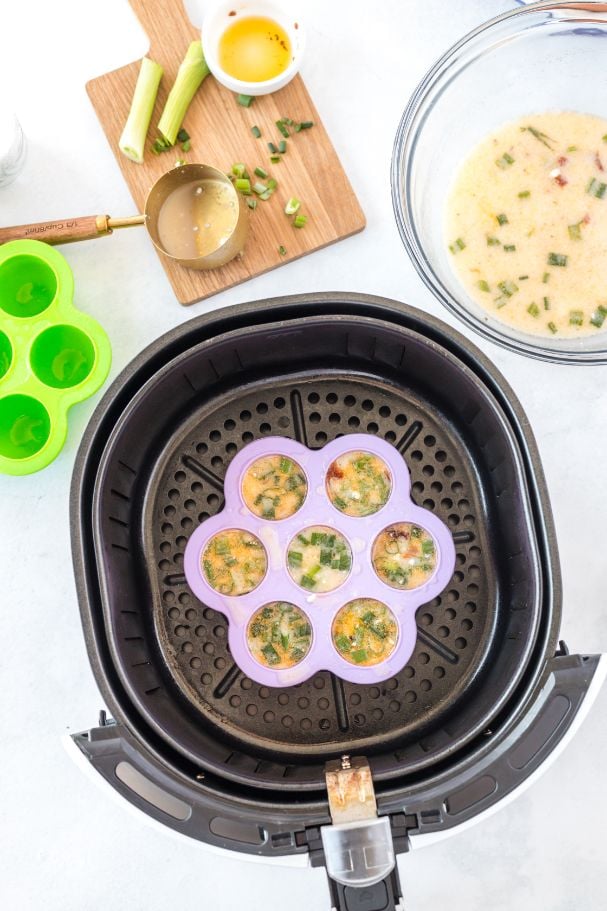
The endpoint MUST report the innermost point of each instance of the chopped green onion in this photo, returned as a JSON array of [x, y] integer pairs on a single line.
[[507, 288], [572, 148], [282, 129], [245, 100], [502, 219], [359, 655], [282, 250], [239, 169], [533, 310], [596, 188], [575, 231], [523, 278], [493, 241], [266, 195], [509, 248], [292, 206], [294, 558], [252, 203], [557, 259], [483, 285], [160, 145], [457, 244], [300, 221], [243, 185], [179, 162], [541, 137], [304, 125], [273, 149], [186, 146], [259, 188], [576, 317], [272, 184], [260, 172], [546, 278], [546, 303], [192, 71], [183, 135], [274, 159], [552, 328], [132, 139], [524, 194], [505, 161], [282, 146], [256, 132], [598, 317]]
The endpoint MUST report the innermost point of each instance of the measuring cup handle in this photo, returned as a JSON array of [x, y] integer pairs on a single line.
[[60, 231]]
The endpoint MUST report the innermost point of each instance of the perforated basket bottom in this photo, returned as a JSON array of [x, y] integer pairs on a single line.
[[324, 714]]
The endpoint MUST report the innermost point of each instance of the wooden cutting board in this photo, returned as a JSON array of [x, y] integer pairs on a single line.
[[220, 131]]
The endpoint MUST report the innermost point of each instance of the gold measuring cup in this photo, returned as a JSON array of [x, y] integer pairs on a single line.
[[88, 227]]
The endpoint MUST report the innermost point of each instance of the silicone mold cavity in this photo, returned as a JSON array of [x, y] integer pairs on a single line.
[[362, 581], [51, 355]]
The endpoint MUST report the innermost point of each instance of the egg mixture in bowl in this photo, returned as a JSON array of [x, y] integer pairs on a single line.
[[513, 108]]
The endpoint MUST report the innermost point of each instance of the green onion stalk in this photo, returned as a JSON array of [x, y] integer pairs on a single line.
[[192, 71], [132, 140]]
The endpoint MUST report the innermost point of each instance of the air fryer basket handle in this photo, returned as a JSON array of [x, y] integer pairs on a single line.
[[385, 895]]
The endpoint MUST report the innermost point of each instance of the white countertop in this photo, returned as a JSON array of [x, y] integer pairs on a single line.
[[64, 845]]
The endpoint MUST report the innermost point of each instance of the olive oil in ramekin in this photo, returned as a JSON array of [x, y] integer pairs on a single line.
[[254, 49]]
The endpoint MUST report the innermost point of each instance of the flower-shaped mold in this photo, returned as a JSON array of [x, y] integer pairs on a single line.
[[361, 582], [51, 355]]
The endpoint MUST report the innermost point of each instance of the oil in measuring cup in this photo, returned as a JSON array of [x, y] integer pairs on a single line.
[[197, 218]]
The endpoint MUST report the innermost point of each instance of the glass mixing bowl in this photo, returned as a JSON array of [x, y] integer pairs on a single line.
[[545, 56]]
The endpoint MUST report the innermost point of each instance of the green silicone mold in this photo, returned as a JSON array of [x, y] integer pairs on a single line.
[[51, 355]]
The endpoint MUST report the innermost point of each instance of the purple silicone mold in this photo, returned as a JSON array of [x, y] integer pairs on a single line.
[[362, 582]]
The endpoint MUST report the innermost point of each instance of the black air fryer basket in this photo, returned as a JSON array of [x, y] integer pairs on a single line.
[[487, 694]]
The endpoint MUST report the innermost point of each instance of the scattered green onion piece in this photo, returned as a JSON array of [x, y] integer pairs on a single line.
[[541, 137], [523, 278], [260, 173], [505, 161], [557, 259], [533, 310], [546, 303], [282, 250], [573, 148], [183, 135], [160, 145], [509, 248], [272, 184], [457, 244], [259, 188], [266, 195], [239, 169], [300, 221], [282, 146], [598, 317], [256, 132], [275, 159], [575, 231], [507, 288], [524, 194], [596, 188], [576, 317], [273, 149], [243, 185], [483, 285], [306, 124], [552, 328], [292, 206], [502, 219], [179, 162], [186, 146], [132, 139], [252, 203], [192, 71], [493, 241], [282, 129], [546, 278], [245, 100]]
